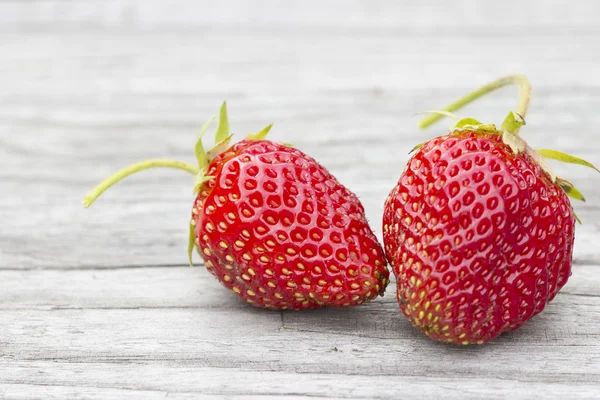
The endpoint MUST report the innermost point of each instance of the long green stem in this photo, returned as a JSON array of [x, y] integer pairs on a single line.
[[89, 198], [524, 97]]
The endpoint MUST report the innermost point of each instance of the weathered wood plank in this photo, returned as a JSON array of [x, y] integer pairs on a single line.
[[97, 304], [143, 220], [255, 340], [147, 63], [129, 230], [431, 15], [108, 381], [109, 102], [167, 287], [112, 317]]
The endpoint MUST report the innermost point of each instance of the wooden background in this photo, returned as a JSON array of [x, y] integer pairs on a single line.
[[100, 304]]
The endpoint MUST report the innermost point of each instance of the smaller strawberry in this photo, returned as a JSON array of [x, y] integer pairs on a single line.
[[274, 226], [478, 230]]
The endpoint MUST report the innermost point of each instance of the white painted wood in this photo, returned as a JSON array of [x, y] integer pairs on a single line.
[[76, 107], [366, 14], [175, 330], [164, 287], [209, 383], [96, 303]]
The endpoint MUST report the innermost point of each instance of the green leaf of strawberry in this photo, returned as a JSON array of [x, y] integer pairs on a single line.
[[566, 158], [191, 243], [569, 189], [223, 126], [262, 134], [513, 122], [465, 123], [201, 155]]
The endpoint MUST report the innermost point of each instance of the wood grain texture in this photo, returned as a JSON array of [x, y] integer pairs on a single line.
[[63, 132], [137, 330], [97, 303], [367, 14]]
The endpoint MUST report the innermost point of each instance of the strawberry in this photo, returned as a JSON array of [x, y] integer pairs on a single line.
[[275, 227], [478, 230]]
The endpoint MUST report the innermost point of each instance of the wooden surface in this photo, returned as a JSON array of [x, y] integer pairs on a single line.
[[100, 304]]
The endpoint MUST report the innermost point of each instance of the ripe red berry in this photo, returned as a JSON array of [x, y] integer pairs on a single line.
[[276, 228], [478, 232]]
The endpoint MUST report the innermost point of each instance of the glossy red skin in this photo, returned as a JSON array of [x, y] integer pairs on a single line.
[[479, 238], [279, 230]]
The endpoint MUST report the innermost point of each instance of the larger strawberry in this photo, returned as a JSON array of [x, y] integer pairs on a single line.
[[478, 230], [275, 227]]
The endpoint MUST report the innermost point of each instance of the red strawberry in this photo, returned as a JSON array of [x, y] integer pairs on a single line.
[[275, 227], [479, 232]]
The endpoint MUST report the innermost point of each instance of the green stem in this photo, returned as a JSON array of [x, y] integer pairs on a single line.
[[89, 198], [520, 80]]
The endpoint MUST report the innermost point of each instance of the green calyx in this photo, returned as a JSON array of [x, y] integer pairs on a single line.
[[222, 138], [203, 159], [191, 243], [222, 143], [513, 122], [566, 158], [262, 134], [509, 130], [201, 155]]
